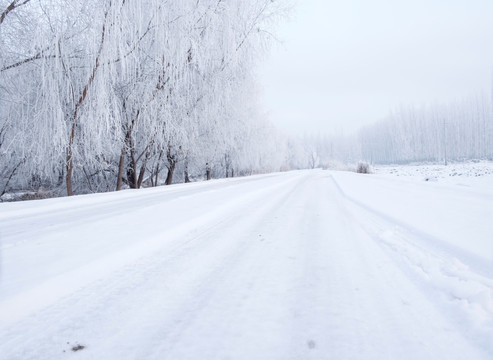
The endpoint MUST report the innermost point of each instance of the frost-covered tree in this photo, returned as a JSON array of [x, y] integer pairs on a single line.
[[105, 94], [456, 131]]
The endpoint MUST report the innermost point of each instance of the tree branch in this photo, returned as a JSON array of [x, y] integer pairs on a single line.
[[13, 5], [38, 56]]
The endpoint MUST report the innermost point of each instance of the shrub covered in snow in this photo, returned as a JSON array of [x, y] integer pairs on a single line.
[[363, 168]]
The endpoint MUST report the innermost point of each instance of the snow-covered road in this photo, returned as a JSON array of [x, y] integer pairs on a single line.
[[300, 265]]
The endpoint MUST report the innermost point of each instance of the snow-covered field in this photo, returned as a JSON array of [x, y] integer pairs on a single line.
[[300, 265], [470, 174]]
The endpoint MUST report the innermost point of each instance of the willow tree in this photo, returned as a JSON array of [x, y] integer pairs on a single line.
[[99, 93]]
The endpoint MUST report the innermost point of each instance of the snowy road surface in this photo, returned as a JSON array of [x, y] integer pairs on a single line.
[[301, 265]]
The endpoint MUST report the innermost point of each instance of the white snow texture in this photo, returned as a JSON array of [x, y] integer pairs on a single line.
[[300, 265]]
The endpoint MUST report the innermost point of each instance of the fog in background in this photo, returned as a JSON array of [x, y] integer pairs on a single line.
[[340, 65]]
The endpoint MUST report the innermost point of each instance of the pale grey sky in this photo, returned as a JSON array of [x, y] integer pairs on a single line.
[[347, 63]]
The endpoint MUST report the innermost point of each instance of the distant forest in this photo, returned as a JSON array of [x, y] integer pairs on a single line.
[[458, 131]]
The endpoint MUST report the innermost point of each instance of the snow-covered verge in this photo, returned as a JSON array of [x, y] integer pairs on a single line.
[[436, 223], [477, 174], [300, 265]]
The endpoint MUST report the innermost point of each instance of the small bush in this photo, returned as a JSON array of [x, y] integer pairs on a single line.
[[29, 195], [363, 168], [34, 196]]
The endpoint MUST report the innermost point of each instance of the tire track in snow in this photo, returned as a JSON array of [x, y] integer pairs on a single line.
[[99, 207], [52, 288], [356, 303], [288, 271], [462, 292], [198, 258]]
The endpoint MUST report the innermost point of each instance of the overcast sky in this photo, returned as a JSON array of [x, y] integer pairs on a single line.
[[347, 63]]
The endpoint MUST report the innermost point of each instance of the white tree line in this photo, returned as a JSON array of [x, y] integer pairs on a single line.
[[97, 95], [458, 131]]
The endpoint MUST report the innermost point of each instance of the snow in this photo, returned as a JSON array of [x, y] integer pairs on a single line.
[[472, 174], [299, 265]]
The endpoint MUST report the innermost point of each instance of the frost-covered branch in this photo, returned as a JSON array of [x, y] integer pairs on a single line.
[[12, 6]]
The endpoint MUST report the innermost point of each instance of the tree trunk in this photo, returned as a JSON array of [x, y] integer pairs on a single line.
[[68, 179], [132, 166], [187, 177], [156, 175], [226, 164], [132, 175], [70, 162], [121, 165], [132, 170], [171, 165], [171, 170], [141, 175], [207, 171]]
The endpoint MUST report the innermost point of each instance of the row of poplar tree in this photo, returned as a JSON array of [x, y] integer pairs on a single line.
[[460, 130]]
